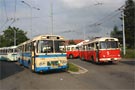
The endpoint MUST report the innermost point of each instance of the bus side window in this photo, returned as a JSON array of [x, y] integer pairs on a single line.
[[77, 48], [89, 47], [92, 46], [68, 48], [72, 48], [83, 47]]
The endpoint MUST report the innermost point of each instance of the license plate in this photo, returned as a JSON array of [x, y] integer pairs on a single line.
[[54, 66]]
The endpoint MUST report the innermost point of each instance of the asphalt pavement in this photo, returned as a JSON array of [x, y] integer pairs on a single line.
[[120, 76]]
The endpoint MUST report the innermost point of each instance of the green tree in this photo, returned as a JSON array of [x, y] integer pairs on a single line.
[[129, 15], [114, 32], [117, 34], [7, 39]]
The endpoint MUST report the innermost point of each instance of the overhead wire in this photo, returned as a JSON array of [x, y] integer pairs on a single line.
[[13, 20], [5, 9], [98, 22]]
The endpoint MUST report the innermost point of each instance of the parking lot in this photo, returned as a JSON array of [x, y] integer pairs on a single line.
[[104, 76]]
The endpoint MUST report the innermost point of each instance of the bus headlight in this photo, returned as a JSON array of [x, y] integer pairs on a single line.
[[63, 62]]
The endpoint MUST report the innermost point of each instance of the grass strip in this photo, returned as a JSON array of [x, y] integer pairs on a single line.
[[72, 67]]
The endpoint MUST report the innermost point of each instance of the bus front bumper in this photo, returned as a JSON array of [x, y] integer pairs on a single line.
[[49, 68], [109, 59]]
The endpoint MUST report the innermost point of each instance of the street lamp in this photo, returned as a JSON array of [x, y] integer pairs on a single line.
[[31, 7]]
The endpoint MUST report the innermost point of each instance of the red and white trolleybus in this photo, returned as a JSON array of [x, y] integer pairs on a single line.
[[103, 49], [72, 51]]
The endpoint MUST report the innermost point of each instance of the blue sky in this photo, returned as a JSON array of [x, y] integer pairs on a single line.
[[73, 19]]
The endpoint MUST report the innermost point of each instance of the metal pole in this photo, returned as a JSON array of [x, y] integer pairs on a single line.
[[31, 20], [14, 37], [84, 33], [52, 16], [30, 13], [124, 44]]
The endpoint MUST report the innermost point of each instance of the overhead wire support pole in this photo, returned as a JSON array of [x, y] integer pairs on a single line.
[[52, 16], [6, 16], [13, 22], [30, 12], [123, 28], [30, 15]]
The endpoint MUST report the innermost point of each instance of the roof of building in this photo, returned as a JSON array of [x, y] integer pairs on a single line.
[[76, 41]]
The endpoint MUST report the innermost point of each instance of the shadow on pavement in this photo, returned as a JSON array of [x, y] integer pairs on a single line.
[[8, 68], [129, 62], [102, 63], [51, 72]]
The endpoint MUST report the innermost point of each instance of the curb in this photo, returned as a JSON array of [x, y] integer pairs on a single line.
[[81, 70]]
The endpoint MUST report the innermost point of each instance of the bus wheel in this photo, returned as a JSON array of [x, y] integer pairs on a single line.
[[71, 56]]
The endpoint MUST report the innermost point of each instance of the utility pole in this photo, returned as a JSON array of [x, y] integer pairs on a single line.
[[52, 16], [84, 34], [14, 37], [123, 26], [30, 12]]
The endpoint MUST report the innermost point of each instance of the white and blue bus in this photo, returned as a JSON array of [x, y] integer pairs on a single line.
[[43, 53], [8, 53]]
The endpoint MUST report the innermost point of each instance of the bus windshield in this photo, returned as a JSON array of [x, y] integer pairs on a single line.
[[50, 46], [108, 44]]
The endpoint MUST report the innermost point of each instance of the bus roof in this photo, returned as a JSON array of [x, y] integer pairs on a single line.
[[11, 47], [43, 37], [48, 37], [101, 39]]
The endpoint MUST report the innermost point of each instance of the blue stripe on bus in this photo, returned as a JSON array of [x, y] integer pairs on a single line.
[[45, 56], [24, 63], [43, 69], [27, 54], [48, 56]]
